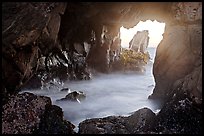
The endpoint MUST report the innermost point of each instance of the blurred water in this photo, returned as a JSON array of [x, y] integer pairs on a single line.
[[107, 94]]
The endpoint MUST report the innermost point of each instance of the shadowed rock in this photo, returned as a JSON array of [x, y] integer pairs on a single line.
[[27, 113], [139, 122], [65, 89], [74, 96], [34, 30]]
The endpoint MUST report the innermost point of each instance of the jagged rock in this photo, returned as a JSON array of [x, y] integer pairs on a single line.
[[180, 115], [130, 60], [26, 113], [55, 83], [65, 89], [79, 48], [33, 30], [74, 96], [140, 41], [140, 121], [22, 26], [179, 47], [52, 122], [108, 125]]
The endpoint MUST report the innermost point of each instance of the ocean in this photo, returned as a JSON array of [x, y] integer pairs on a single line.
[[107, 94]]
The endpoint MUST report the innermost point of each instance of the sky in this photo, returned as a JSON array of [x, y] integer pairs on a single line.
[[155, 29]]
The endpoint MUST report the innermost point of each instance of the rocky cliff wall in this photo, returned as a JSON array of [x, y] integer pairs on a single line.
[[179, 54], [69, 31]]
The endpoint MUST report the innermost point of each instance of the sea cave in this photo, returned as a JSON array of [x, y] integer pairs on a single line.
[[94, 68]]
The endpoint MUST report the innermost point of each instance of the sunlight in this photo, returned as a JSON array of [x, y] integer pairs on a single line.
[[155, 29]]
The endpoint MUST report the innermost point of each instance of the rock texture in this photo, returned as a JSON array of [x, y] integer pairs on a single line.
[[42, 41], [179, 115], [130, 60], [75, 96], [31, 47], [27, 113], [179, 54], [139, 122], [23, 24], [140, 41]]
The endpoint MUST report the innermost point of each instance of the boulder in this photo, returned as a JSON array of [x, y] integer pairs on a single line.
[[27, 113], [139, 122], [32, 30], [65, 89], [130, 60], [52, 122], [180, 115], [75, 96]]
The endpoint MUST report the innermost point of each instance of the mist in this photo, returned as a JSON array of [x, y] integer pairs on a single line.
[[107, 94]]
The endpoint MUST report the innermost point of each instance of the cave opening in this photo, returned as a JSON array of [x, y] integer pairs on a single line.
[[152, 34], [155, 33], [69, 42]]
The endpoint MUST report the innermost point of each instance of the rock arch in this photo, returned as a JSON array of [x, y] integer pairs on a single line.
[[178, 54]]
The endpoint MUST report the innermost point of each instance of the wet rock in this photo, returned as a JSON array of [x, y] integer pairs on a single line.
[[32, 30], [180, 115], [74, 96], [108, 125], [80, 67], [106, 42], [26, 113], [55, 83], [22, 27], [52, 122], [141, 121], [65, 89]]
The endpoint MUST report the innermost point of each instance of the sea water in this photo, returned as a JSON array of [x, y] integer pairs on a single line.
[[107, 94]]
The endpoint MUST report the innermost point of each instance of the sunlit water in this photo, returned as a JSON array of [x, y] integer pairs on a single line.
[[107, 94]]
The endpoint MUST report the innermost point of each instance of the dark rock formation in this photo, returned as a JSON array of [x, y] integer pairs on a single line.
[[179, 54], [74, 96], [22, 27], [65, 89], [27, 113], [31, 46], [52, 122], [139, 122], [62, 40], [130, 60], [140, 41], [179, 115]]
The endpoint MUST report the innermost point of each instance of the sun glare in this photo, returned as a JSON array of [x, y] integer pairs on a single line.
[[155, 29]]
